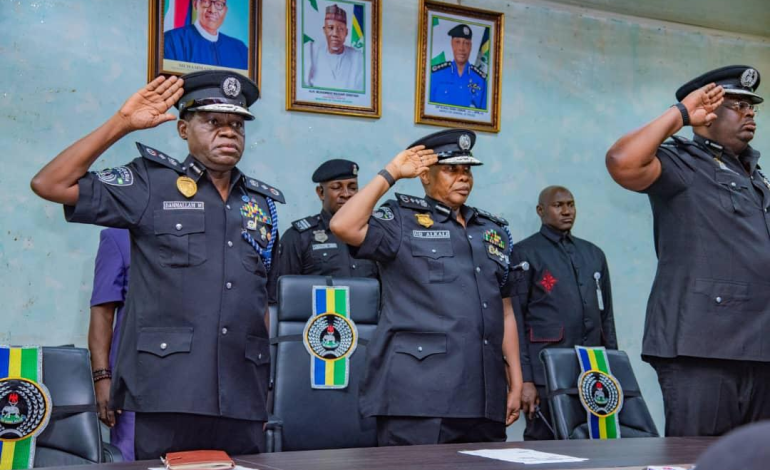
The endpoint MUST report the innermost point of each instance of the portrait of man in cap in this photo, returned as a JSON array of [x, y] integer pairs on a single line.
[[457, 81], [328, 62], [194, 33]]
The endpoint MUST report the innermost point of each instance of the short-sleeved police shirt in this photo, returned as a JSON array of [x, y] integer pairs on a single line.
[[711, 295], [437, 350], [194, 338]]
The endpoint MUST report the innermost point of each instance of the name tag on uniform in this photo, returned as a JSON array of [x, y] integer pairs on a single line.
[[182, 205], [324, 246], [432, 234]]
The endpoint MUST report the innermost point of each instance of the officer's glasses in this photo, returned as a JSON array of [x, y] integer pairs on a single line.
[[743, 107], [219, 5]]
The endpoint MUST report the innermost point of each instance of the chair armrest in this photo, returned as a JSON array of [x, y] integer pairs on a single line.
[[274, 435], [110, 453]]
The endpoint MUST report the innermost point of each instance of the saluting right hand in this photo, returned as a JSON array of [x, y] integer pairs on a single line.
[[702, 103], [148, 107], [412, 162]]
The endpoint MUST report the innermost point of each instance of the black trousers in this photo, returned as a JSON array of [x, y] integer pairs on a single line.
[[159, 433], [710, 397], [536, 429], [409, 430]]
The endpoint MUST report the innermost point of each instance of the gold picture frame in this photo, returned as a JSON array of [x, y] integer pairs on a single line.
[[348, 83], [241, 27], [449, 94]]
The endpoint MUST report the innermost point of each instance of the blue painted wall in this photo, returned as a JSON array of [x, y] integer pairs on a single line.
[[574, 81]]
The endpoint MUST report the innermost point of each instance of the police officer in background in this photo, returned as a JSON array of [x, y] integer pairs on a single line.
[[436, 365], [193, 362], [708, 315], [458, 82], [308, 247], [563, 300]]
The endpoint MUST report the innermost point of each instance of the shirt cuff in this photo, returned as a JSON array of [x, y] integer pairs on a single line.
[[83, 211]]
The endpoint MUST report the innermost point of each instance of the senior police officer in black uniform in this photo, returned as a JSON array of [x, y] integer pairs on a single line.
[[193, 361], [436, 365], [708, 315], [563, 300], [308, 246]]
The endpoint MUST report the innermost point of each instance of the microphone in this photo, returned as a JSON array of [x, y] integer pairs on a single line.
[[523, 266]]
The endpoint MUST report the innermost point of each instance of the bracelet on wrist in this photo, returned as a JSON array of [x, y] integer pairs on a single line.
[[683, 111], [388, 177]]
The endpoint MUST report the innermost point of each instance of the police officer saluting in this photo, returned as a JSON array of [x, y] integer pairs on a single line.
[[436, 366], [709, 310], [194, 359], [308, 246], [458, 82]]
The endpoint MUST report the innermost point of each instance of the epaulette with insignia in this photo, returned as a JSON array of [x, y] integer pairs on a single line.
[[412, 202], [479, 71], [264, 189], [440, 66], [305, 224], [159, 157], [494, 218]]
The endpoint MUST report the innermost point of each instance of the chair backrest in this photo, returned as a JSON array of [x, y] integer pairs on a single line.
[[568, 416], [317, 418], [73, 435]]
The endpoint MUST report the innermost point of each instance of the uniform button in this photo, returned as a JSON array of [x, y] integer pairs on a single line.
[[585, 339], [732, 184], [470, 237], [179, 226], [484, 305], [229, 285], [228, 207], [354, 266], [478, 269], [259, 356], [718, 300], [765, 209], [163, 346], [433, 250], [229, 243], [224, 331], [486, 342], [419, 348], [324, 254]]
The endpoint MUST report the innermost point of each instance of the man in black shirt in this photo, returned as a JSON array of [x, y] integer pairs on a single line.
[[308, 246], [563, 300], [708, 316]]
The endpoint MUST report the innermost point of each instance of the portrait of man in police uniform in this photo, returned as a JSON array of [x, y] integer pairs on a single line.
[[457, 81]]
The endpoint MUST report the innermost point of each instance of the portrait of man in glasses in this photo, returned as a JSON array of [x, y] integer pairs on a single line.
[[200, 41]]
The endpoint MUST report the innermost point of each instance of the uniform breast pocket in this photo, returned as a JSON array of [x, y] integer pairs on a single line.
[[252, 261], [733, 192], [181, 236], [324, 253], [436, 257]]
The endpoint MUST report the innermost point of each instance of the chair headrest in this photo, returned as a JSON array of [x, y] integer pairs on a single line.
[[295, 297]]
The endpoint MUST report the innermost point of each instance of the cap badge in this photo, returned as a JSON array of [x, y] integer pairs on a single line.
[[466, 31], [749, 78], [231, 87], [464, 142], [355, 170]]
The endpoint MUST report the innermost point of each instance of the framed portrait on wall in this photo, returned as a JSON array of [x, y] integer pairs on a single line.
[[459, 66], [191, 35], [333, 57]]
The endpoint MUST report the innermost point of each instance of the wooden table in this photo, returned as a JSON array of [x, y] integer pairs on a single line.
[[628, 453]]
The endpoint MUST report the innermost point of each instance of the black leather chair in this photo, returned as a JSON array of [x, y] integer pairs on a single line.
[[73, 435], [568, 416], [303, 418]]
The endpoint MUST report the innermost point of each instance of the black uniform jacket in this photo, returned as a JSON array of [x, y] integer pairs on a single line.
[[194, 338], [563, 300], [437, 350]]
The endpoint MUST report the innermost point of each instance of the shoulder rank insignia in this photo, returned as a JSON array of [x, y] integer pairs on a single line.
[[264, 189], [440, 66], [305, 224], [479, 71], [159, 157], [494, 218], [412, 202], [424, 220]]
